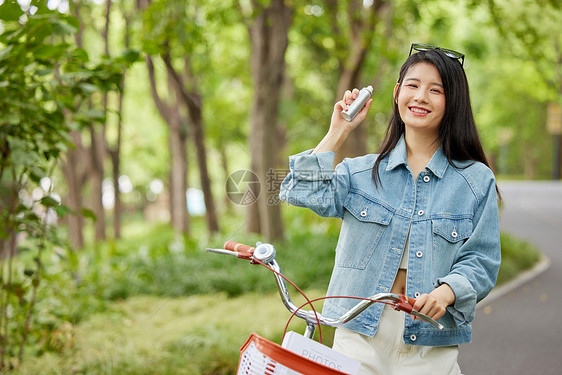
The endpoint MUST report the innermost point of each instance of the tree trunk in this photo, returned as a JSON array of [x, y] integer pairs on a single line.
[[199, 139], [362, 26], [178, 157], [178, 153], [226, 173], [178, 173], [99, 150], [97, 155], [192, 100], [115, 151], [269, 38], [75, 167], [74, 175]]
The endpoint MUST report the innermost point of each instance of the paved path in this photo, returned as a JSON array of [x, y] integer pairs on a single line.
[[521, 331]]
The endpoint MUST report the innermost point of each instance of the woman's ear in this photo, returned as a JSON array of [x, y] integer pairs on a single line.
[[395, 94]]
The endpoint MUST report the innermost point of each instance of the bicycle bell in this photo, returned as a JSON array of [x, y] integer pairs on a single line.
[[264, 252]]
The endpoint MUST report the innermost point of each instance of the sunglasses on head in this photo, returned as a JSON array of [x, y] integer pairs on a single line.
[[420, 47]]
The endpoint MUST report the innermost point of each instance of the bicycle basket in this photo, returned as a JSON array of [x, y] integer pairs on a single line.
[[259, 356]]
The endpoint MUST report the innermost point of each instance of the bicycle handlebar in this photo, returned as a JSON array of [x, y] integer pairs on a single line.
[[236, 249], [236, 246], [265, 253]]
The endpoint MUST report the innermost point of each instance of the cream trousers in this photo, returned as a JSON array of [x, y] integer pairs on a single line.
[[387, 354]]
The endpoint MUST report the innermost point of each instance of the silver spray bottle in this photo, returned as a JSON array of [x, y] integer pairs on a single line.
[[358, 104]]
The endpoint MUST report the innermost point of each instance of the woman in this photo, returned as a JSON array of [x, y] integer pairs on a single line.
[[419, 218]]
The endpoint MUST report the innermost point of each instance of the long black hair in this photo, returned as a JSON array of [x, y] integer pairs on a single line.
[[457, 133]]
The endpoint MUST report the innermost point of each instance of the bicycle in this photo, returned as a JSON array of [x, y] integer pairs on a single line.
[[261, 356]]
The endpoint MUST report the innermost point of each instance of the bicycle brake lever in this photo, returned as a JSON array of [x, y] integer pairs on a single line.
[[239, 254], [427, 319], [402, 304], [222, 251]]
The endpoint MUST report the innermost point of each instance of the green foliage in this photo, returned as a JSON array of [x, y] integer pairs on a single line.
[[517, 256], [43, 80], [516, 77], [210, 36], [159, 263]]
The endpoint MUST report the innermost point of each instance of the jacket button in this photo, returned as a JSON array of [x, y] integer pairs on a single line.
[[420, 212], [419, 253], [413, 337], [363, 213], [416, 294], [426, 178], [454, 234]]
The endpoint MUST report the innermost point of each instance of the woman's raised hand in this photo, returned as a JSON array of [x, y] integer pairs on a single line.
[[339, 127], [338, 122]]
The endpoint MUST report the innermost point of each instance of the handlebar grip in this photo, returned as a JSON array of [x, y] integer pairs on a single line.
[[410, 300], [405, 303], [235, 246]]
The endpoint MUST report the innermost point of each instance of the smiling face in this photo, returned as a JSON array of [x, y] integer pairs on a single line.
[[421, 98]]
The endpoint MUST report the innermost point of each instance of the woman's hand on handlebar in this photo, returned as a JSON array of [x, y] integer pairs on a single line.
[[435, 303]]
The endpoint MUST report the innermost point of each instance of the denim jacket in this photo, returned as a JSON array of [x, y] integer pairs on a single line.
[[450, 211]]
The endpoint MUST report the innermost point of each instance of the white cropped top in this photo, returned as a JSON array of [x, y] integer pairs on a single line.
[[404, 260]]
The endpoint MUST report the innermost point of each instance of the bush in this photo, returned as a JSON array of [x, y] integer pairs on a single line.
[[159, 263], [517, 256]]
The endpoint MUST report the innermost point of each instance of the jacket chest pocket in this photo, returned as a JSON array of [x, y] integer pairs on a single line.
[[448, 236], [364, 223], [452, 230]]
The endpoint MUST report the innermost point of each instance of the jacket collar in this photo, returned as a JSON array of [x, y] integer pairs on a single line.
[[398, 156]]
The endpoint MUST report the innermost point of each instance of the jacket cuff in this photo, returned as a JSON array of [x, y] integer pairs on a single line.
[[464, 307], [306, 166]]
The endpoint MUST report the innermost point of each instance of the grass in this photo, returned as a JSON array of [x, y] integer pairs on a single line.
[[154, 335], [161, 305]]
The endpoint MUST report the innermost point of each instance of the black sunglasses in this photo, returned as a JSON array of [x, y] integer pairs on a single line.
[[420, 47]]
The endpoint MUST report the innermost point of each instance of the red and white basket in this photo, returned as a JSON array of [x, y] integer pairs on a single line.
[[259, 356]]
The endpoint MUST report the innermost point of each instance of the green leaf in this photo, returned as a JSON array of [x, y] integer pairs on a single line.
[[36, 174], [5, 53], [49, 201], [63, 28], [130, 56], [88, 88], [10, 11], [79, 54], [46, 51], [89, 214], [28, 272], [62, 210], [96, 115]]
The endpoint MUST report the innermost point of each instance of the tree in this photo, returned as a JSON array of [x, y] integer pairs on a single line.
[[192, 99], [43, 78], [170, 112], [354, 40], [115, 150], [268, 27], [534, 32], [179, 40]]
